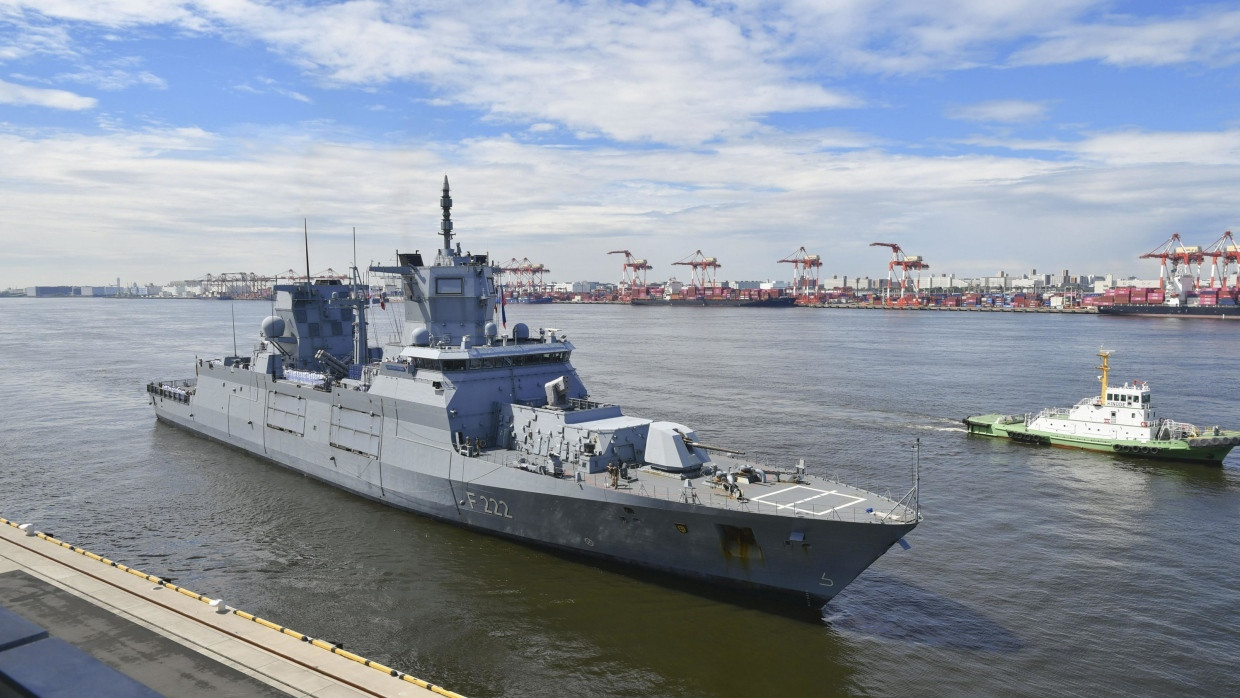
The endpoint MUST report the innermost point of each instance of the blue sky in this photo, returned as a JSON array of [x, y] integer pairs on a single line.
[[154, 140]]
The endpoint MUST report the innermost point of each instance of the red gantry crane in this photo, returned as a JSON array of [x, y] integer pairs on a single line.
[[702, 271], [1175, 254], [527, 276], [1224, 258], [906, 264], [805, 268], [633, 271]]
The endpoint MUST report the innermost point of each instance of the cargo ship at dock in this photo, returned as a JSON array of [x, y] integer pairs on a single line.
[[1202, 303], [1181, 292], [702, 291], [1217, 312], [720, 302]]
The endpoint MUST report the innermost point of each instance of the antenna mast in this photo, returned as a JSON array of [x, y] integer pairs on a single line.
[[306, 234], [445, 226]]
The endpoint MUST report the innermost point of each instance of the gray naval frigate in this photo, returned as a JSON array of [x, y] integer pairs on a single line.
[[497, 433]]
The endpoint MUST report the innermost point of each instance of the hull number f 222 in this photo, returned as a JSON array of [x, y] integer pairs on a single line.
[[489, 505]]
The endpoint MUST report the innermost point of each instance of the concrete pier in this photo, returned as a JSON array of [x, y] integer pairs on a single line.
[[73, 620]]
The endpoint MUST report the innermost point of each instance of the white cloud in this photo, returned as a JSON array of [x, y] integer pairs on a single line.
[[24, 95], [1207, 37], [669, 72], [1132, 147], [115, 79], [1143, 148], [114, 13], [1007, 111], [901, 37], [195, 203]]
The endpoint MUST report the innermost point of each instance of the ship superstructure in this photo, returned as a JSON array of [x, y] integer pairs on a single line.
[[1120, 419], [495, 431]]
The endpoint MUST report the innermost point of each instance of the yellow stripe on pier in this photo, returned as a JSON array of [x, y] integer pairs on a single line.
[[288, 664]]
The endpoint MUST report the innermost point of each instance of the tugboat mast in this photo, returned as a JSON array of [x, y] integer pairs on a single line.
[[1106, 369]]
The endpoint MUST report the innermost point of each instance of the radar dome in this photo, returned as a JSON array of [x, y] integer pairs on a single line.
[[520, 331], [273, 327], [421, 337], [490, 330]]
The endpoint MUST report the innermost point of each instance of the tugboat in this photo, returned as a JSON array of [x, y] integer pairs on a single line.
[[1118, 420], [496, 432]]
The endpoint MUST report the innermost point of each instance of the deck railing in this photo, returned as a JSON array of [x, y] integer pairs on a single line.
[[711, 496]]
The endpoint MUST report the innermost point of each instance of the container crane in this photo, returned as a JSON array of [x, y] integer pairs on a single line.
[[805, 268], [702, 268], [906, 263], [629, 276], [1224, 257], [526, 276], [1173, 252]]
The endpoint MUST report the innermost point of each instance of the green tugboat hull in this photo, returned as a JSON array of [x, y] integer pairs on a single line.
[[1210, 449]]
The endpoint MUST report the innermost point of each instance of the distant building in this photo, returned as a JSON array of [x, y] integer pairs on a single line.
[[942, 282], [575, 286], [52, 291]]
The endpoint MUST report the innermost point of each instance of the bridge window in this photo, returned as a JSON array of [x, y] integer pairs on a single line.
[[454, 286]]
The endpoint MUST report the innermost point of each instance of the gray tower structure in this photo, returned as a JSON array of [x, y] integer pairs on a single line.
[[451, 303]]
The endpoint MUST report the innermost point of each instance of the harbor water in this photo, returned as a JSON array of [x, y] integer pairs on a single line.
[[1036, 572]]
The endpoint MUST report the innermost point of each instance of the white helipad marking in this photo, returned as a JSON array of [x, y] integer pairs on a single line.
[[821, 493]]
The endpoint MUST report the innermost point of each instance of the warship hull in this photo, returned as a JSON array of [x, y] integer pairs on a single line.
[[805, 558], [1205, 449], [498, 433]]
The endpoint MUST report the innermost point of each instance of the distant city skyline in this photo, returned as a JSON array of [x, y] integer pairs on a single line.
[[141, 137], [825, 280]]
